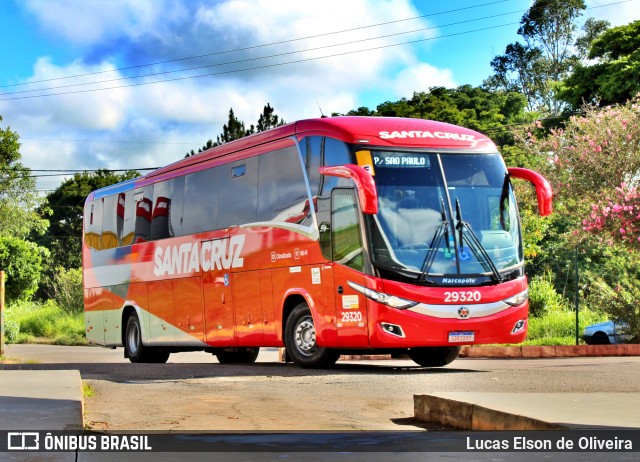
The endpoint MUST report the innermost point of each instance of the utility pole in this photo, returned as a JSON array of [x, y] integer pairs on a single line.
[[1, 313], [577, 300]]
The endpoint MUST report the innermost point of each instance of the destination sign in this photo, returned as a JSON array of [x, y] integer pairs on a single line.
[[401, 160]]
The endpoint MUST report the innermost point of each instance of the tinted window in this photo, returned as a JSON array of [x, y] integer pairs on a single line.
[[313, 156], [93, 224], [282, 191], [238, 196], [109, 226], [166, 220], [335, 153], [126, 218], [200, 210], [143, 198], [347, 244]]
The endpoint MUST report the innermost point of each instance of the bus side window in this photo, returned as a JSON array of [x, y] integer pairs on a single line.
[[282, 193], [109, 222], [238, 196], [345, 229], [166, 220], [143, 206], [313, 158], [93, 225], [200, 209], [126, 217], [335, 152]]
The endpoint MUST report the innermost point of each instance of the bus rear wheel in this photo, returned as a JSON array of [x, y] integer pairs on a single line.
[[135, 350], [238, 356], [300, 341], [434, 356]]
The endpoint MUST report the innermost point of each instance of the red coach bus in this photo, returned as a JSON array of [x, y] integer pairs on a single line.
[[326, 236]]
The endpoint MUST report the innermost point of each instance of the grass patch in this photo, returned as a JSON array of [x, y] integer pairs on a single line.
[[558, 326], [45, 323], [87, 390]]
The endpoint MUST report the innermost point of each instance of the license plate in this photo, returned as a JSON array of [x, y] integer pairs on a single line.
[[460, 337]]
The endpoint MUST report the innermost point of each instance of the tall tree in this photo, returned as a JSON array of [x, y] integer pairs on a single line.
[[19, 198], [65, 208], [268, 119], [548, 30], [235, 128], [614, 75]]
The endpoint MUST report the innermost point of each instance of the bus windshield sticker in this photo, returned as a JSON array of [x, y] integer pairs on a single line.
[[401, 160], [365, 161]]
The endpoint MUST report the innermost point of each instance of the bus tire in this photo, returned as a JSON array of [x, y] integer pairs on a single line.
[[239, 356], [300, 341], [135, 350], [434, 356]]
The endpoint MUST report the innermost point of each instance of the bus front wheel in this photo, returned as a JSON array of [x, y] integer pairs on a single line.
[[434, 356], [135, 350], [300, 341]]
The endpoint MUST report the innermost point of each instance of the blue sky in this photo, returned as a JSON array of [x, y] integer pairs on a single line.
[[45, 42]]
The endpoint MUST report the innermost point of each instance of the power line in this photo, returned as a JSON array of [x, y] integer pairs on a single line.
[[239, 61], [257, 46], [266, 57], [265, 66]]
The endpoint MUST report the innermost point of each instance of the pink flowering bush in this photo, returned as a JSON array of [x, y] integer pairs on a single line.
[[594, 153], [616, 217]]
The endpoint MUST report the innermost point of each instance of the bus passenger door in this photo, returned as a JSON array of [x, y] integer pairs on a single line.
[[219, 327], [348, 257]]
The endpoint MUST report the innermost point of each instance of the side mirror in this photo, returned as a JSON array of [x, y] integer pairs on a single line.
[[543, 188], [367, 193]]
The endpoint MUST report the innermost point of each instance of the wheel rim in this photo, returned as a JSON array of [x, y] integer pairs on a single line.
[[133, 338], [306, 336]]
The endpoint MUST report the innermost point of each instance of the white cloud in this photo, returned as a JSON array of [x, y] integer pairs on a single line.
[[125, 33], [420, 78]]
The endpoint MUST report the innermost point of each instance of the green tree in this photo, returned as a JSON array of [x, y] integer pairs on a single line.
[[22, 262], [472, 107], [18, 196], [65, 208], [268, 119], [548, 28], [235, 128], [614, 77]]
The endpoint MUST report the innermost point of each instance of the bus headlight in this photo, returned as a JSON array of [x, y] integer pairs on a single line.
[[518, 299], [389, 300]]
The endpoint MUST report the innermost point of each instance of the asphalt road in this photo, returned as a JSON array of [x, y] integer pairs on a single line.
[[194, 392]]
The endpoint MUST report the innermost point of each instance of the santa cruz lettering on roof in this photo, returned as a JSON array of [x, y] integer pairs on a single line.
[[427, 134]]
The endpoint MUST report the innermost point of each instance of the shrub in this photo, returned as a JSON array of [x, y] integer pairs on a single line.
[[543, 296], [67, 289], [22, 263]]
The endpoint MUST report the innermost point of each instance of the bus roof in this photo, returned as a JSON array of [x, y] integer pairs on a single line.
[[392, 132]]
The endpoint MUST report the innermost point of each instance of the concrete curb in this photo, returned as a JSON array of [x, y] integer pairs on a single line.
[[41, 400], [470, 416], [523, 351], [529, 411], [560, 351]]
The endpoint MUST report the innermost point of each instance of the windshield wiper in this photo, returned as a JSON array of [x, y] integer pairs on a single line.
[[441, 231], [472, 239]]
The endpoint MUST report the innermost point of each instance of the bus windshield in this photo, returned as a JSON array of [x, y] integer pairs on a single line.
[[444, 214]]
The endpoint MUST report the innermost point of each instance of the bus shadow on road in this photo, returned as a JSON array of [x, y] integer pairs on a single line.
[[126, 372]]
